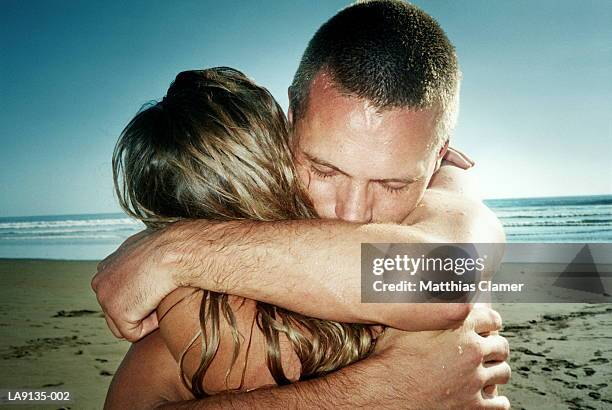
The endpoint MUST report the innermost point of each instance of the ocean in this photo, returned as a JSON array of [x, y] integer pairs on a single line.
[[93, 236], [555, 219]]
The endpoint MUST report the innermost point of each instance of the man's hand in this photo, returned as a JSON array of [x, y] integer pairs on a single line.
[[450, 369], [130, 283], [447, 369]]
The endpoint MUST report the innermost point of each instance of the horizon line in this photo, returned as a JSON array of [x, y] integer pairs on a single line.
[[127, 216]]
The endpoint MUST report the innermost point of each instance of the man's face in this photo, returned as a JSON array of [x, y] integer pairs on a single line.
[[361, 165]]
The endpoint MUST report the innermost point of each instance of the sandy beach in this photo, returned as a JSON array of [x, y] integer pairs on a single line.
[[52, 332], [53, 336]]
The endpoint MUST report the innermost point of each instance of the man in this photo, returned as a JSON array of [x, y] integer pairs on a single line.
[[372, 107]]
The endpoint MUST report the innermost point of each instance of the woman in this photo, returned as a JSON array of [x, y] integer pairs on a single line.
[[217, 147]]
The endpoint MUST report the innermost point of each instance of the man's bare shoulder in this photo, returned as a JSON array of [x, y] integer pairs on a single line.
[[452, 206], [146, 377], [459, 182]]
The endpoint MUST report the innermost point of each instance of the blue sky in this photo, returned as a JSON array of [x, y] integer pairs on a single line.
[[536, 110]]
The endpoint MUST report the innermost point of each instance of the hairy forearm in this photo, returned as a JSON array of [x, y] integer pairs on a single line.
[[292, 264], [350, 387], [299, 264], [280, 397]]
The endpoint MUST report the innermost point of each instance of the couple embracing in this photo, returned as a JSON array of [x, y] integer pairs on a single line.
[[244, 291]]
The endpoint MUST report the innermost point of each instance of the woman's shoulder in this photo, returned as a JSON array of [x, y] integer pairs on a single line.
[[177, 296], [146, 377], [180, 327]]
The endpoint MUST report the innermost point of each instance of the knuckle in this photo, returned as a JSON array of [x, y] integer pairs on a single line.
[[102, 297], [483, 377], [475, 402], [474, 350], [474, 359], [458, 312], [131, 334], [506, 348], [496, 319], [507, 372], [94, 283], [474, 384]]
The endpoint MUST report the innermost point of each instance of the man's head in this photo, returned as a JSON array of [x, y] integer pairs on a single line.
[[372, 106]]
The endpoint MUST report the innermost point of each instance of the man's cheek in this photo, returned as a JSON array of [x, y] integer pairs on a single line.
[[393, 212], [323, 198], [394, 209]]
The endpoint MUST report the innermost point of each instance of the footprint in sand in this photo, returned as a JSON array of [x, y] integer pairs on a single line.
[[53, 384], [75, 313], [38, 347]]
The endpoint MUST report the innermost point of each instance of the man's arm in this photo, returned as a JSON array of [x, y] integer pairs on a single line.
[[442, 369], [293, 264]]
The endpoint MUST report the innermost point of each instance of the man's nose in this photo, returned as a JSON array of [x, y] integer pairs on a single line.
[[353, 203]]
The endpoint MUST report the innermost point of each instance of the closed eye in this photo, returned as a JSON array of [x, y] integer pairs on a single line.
[[327, 173], [394, 188]]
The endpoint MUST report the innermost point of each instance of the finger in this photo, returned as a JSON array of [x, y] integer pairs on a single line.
[[495, 348], [136, 330], [466, 158], [149, 324], [462, 154], [484, 320], [497, 373], [94, 283], [113, 327], [490, 390], [457, 160], [129, 330], [495, 403]]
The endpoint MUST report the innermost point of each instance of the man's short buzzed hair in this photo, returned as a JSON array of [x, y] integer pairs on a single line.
[[388, 52]]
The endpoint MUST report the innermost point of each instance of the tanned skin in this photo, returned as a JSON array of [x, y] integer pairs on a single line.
[[367, 173], [180, 323]]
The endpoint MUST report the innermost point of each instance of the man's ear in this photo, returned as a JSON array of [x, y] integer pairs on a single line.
[[289, 111]]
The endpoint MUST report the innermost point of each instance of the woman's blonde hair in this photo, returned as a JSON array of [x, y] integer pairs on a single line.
[[217, 147]]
